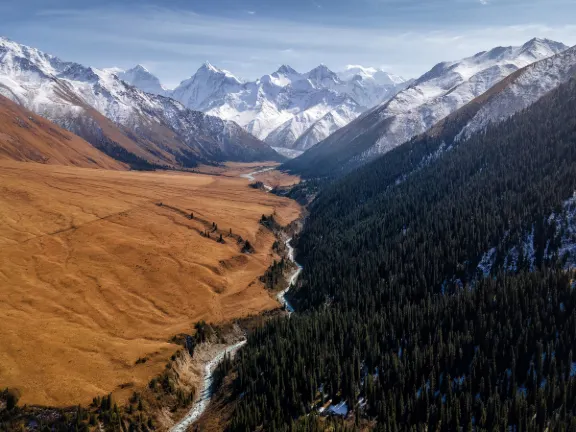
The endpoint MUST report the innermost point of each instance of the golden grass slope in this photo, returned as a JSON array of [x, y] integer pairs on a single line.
[[94, 274], [27, 137]]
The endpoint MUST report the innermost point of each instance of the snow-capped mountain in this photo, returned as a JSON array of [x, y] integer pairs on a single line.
[[444, 89], [118, 118], [287, 109], [380, 76], [141, 78], [206, 87], [522, 89]]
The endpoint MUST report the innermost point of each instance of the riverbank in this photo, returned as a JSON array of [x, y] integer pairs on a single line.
[[207, 390], [291, 280], [203, 399]]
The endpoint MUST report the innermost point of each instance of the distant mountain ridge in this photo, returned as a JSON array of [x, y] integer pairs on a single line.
[[286, 109], [139, 128], [443, 90]]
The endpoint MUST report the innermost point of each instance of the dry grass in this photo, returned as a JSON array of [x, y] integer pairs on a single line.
[[234, 169], [25, 136], [274, 178], [277, 178], [95, 275]]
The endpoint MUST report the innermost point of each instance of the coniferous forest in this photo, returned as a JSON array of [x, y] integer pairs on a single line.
[[394, 319]]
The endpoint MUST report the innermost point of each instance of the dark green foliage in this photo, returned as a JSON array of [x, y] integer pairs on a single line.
[[304, 192], [188, 159], [270, 223], [203, 332], [247, 248], [12, 397], [257, 185], [119, 153], [390, 306], [274, 275], [223, 368]]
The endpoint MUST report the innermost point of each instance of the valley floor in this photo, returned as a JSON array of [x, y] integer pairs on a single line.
[[99, 269], [261, 171]]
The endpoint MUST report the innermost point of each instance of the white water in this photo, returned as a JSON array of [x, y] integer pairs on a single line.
[[282, 295], [202, 402]]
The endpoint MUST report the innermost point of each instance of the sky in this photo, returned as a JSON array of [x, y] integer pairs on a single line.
[[250, 38]]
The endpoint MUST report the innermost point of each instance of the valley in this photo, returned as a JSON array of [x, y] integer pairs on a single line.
[[297, 251], [102, 268]]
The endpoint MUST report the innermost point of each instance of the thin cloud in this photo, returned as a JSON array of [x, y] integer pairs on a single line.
[[183, 39]]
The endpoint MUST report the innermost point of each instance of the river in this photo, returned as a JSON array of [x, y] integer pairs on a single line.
[[291, 281], [203, 401], [206, 394], [250, 176]]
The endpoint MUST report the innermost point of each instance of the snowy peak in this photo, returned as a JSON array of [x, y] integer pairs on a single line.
[[284, 76], [207, 86], [285, 105], [352, 71], [529, 85], [139, 69], [360, 73], [17, 58], [141, 78], [77, 72], [542, 48], [444, 89], [209, 70], [149, 128], [321, 76], [286, 70], [497, 62]]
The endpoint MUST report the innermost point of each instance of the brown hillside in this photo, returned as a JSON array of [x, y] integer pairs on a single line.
[[94, 274], [27, 137]]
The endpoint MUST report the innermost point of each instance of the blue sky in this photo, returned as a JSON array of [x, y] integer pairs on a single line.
[[253, 37]]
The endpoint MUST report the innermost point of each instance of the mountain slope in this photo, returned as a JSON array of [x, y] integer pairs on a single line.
[[516, 92], [138, 127], [441, 91], [390, 285], [281, 107], [27, 137]]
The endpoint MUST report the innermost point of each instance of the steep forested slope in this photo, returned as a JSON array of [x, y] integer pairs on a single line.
[[394, 320]]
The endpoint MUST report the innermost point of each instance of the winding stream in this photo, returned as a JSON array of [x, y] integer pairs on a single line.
[[293, 278], [206, 394], [250, 176], [203, 401]]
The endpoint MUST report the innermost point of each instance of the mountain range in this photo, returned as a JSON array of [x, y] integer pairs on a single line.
[[331, 121], [142, 129], [443, 90], [286, 109]]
